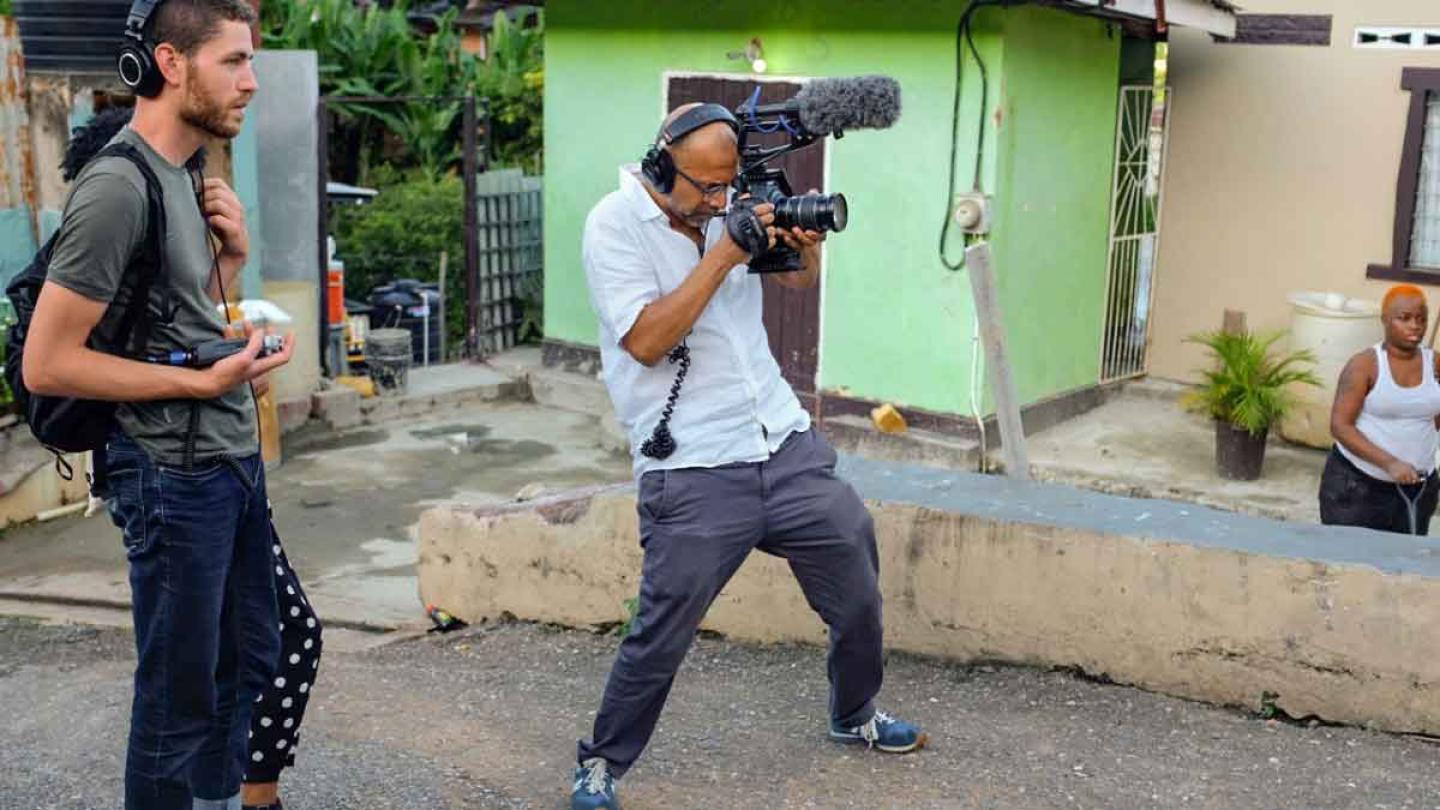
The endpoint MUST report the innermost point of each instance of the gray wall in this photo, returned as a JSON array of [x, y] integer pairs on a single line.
[[284, 110]]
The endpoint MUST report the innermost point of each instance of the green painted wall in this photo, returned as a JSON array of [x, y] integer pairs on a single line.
[[1054, 181], [895, 323]]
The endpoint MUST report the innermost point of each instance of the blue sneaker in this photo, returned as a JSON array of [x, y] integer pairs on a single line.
[[594, 787], [883, 732]]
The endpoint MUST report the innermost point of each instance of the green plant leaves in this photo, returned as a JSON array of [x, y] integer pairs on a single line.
[[373, 51], [1248, 384]]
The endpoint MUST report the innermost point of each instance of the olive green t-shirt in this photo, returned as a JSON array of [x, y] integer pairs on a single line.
[[104, 224]]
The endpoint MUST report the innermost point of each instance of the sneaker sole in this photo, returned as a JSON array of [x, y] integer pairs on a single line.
[[919, 743]]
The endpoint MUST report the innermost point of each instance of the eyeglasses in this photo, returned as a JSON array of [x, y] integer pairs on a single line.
[[707, 190]]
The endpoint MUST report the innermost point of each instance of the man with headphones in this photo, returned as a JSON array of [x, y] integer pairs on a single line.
[[728, 463], [185, 481]]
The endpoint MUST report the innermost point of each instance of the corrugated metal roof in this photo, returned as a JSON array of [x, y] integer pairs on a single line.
[[71, 35]]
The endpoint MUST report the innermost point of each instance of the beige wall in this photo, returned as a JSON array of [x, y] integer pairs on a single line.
[[1282, 170]]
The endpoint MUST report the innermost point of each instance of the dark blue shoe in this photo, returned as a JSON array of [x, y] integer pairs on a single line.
[[882, 732], [594, 787]]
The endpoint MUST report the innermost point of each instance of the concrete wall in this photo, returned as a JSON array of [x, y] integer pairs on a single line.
[[287, 164], [1181, 599], [895, 324], [17, 188], [29, 481], [1281, 173]]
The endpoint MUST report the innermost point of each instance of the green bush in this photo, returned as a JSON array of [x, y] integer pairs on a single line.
[[401, 234]]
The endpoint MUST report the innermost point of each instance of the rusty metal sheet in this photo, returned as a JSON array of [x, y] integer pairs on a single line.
[[17, 159]]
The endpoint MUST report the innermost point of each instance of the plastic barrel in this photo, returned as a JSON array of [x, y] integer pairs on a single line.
[[1334, 328]]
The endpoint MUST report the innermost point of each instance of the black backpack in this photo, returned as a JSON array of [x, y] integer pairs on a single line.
[[67, 424]]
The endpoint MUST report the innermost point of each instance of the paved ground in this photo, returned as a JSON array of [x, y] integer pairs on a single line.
[[487, 718], [1143, 444], [347, 506]]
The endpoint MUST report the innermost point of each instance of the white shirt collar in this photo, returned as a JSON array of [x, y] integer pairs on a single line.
[[635, 194]]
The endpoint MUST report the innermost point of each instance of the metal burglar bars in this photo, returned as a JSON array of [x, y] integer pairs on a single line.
[[1134, 232], [509, 247]]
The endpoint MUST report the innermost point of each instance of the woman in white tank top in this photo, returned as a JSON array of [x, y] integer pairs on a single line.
[[1381, 474]]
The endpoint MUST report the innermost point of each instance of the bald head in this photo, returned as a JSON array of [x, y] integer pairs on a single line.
[[706, 160], [715, 139]]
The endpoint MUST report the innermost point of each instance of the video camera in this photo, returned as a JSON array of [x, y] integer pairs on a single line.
[[822, 107]]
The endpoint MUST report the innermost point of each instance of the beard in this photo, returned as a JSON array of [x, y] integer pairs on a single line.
[[697, 217], [205, 113]]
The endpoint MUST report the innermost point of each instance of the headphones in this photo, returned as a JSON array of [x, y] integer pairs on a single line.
[[136, 59], [658, 166]]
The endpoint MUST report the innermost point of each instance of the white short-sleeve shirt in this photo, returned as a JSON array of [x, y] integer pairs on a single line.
[[734, 405]]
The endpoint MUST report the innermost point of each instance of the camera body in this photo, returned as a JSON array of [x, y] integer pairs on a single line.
[[810, 212], [758, 182]]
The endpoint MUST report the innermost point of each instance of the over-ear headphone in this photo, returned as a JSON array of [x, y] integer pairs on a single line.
[[136, 60], [658, 165]]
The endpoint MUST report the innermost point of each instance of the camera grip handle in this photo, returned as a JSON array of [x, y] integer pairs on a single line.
[[746, 230]]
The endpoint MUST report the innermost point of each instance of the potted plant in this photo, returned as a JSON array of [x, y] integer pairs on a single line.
[[1246, 392]]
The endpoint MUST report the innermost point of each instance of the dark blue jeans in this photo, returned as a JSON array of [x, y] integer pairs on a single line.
[[202, 582]]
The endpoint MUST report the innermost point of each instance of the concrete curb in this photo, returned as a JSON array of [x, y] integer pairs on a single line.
[[1232, 610]]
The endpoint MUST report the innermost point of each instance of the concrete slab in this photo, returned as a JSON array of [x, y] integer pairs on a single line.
[[1184, 599], [347, 506], [1144, 444], [450, 377]]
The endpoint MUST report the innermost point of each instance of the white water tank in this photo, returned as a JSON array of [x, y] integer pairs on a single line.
[[1334, 328]]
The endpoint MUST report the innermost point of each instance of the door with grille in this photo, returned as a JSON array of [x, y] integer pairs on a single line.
[[1134, 230], [792, 317]]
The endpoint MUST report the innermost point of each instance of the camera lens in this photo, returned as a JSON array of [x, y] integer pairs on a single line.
[[812, 212]]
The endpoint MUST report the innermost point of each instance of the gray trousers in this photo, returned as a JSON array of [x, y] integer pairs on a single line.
[[697, 526]]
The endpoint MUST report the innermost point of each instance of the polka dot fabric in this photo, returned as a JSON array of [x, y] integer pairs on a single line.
[[279, 710]]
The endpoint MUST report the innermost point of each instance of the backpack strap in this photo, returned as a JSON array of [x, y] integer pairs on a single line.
[[134, 326]]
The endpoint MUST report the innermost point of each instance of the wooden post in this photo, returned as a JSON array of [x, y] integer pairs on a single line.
[[471, 168], [992, 337], [1234, 322], [444, 300]]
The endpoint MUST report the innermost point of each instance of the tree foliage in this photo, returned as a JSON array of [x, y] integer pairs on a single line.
[[370, 50]]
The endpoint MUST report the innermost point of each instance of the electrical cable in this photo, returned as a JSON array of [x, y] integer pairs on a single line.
[[782, 122], [964, 36], [198, 182]]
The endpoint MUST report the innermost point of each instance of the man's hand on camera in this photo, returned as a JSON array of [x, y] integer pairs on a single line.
[[238, 369], [802, 240], [746, 246]]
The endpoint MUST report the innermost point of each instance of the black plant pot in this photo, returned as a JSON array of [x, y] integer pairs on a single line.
[[1238, 454]]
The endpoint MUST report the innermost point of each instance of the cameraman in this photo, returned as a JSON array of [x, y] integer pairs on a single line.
[[184, 481], [744, 470]]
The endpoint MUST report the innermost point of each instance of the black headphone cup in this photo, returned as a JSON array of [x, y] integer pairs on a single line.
[[131, 66], [665, 171], [135, 61], [659, 168]]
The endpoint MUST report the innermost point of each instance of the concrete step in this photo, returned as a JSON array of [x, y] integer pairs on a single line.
[[565, 390], [1157, 389], [857, 435]]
